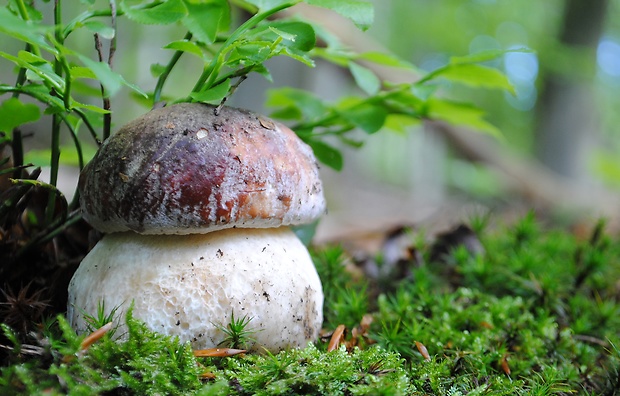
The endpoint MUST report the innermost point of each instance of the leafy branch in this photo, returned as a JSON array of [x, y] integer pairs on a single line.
[[48, 71]]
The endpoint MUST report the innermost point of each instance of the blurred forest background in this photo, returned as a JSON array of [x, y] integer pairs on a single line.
[[560, 147], [561, 136]]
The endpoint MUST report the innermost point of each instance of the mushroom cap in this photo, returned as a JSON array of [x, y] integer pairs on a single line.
[[186, 285], [184, 169]]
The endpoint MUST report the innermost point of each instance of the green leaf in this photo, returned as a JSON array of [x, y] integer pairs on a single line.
[[400, 122], [14, 113], [475, 75], [27, 31], [365, 78], [337, 57], [255, 52], [69, 156], [157, 69], [32, 58], [42, 93], [304, 104], [292, 39], [82, 72], [301, 35], [282, 34], [103, 30], [36, 71], [186, 46], [299, 56], [93, 108], [263, 71], [111, 81], [213, 95], [368, 117], [168, 12], [384, 59], [359, 11], [205, 19], [327, 154], [264, 5], [461, 114], [484, 56]]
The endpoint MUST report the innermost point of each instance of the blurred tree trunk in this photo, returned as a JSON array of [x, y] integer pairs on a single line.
[[568, 119]]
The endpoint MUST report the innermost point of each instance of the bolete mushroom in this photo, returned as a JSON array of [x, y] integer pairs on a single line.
[[219, 188]]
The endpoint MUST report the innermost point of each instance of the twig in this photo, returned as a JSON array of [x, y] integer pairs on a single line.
[[591, 340], [231, 91], [107, 105]]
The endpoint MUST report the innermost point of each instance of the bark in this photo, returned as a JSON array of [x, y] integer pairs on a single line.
[[568, 121]]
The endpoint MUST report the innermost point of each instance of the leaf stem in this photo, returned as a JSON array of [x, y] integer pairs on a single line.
[[17, 143], [164, 76], [89, 126], [234, 74], [56, 119], [107, 105], [78, 148], [23, 12]]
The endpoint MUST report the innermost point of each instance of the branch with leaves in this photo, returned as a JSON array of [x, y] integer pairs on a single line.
[[48, 71]]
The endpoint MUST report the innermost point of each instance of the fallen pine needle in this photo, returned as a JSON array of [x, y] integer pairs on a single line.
[[218, 352], [95, 336], [337, 338], [423, 351]]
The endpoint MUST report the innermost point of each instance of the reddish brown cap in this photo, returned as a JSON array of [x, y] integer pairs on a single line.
[[183, 169]]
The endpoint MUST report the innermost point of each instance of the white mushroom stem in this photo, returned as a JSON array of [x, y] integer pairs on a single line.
[[186, 285]]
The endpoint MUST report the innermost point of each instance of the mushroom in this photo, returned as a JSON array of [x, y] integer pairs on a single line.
[[196, 203]]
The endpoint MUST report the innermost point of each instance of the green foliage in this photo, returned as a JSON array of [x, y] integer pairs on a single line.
[[14, 113], [51, 72], [74, 90]]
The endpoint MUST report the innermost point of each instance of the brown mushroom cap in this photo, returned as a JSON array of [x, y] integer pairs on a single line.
[[183, 169]]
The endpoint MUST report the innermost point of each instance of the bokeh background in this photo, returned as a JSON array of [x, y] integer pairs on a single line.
[[560, 149]]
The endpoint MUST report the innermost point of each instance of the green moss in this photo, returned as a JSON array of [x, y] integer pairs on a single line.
[[537, 313]]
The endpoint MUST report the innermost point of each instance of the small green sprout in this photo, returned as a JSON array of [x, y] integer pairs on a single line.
[[237, 334], [94, 322]]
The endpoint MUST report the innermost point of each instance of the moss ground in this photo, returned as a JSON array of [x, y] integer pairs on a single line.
[[528, 311]]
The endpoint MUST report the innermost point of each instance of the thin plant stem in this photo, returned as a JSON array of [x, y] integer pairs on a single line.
[[233, 74], [56, 122], [89, 126], [78, 147], [86, 15], [164, 76], [232, 90], [107, 105], [107, 117], [17, 143], [23, 12]]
